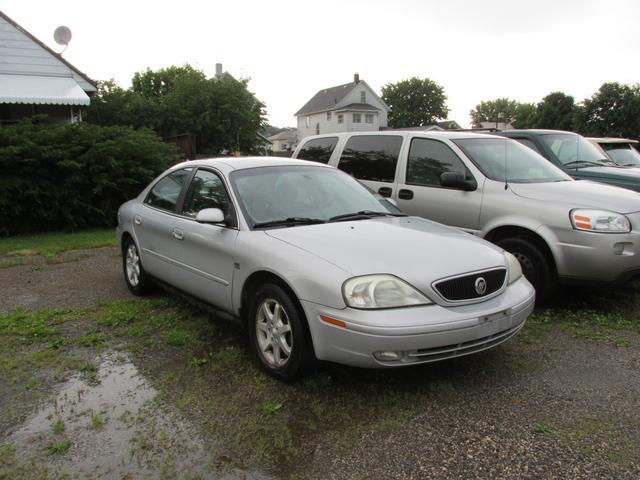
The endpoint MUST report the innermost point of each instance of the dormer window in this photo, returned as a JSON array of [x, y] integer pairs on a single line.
[[363, 97]]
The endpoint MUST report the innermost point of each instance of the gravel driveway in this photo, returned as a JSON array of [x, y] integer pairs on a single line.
[[551, 403]]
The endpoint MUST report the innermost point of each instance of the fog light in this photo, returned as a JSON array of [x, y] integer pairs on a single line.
[[387, 356], [623, 248]]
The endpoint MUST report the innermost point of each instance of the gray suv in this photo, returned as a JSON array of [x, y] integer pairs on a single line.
[[559, 228]]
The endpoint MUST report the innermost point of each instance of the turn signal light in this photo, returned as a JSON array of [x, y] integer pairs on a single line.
[[333, 321]]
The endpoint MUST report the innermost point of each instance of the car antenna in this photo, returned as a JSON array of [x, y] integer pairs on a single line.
[[506, 180]]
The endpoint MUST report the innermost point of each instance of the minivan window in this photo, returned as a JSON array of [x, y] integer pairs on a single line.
[[166, 192], [428, 159], [318, 149], [496, 157], [371, 157], [569, 148]]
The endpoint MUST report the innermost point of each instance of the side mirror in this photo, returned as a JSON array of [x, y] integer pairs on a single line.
[[210, 215], [456, 180]]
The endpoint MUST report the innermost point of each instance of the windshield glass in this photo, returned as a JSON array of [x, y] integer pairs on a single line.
[[573, 149], [622, 153], [271, 194], [523, 165]]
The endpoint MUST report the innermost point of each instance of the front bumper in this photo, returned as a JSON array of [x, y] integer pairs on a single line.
[[598, 257], [418, 334]]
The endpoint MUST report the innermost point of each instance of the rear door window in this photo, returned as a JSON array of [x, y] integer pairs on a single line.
[[371, 157], [318, 149], [166, 192]]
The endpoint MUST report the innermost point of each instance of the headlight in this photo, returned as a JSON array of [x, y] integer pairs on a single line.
[[599, 221], [514, 270], [381, 291]]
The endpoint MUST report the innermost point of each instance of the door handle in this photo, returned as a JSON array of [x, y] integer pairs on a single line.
[[177, 234], [405, 194], [137, 219], [385, 191]]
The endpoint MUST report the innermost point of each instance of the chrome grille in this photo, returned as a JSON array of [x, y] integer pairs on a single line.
[[464, 287]]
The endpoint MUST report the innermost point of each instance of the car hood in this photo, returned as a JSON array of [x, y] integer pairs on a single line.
[[581, 194], [629, 173], [417, 250]]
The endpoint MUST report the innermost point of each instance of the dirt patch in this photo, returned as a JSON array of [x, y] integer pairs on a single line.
[[71, 279], [121, 386]]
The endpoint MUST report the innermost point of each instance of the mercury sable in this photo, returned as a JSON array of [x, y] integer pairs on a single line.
[[318, 267]]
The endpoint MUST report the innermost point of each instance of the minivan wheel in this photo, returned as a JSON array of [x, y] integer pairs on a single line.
[[277, 333], [536, 266], [135, 277]]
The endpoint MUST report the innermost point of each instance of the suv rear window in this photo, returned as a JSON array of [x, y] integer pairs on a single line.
[[318, 149], [371, 157]]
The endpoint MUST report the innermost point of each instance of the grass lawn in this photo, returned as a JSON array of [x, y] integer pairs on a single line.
[[50, 244]]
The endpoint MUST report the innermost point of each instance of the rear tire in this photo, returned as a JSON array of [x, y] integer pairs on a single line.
[[137, 280], [278, 334], [535, 263]]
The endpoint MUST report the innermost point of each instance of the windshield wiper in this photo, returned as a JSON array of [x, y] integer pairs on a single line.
[[364, 215], [585, 163], [289, 222]]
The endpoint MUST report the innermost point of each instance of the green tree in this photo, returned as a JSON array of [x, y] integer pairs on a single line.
[[525, 115], [500, 110], [415, 102], [613, 111], [220, 112], [556, 111], [158, 83]]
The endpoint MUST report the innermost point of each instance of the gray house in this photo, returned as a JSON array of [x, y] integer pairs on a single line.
[[36, 80], [352, 107]]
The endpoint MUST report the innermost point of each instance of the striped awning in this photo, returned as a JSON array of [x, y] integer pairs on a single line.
[[41, 90]]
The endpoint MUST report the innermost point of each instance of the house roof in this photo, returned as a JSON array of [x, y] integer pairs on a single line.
[[359, 106], [23, 54], [284, 135], [326, 99]]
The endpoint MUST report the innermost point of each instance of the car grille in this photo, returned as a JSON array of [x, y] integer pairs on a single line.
[[464, 288]]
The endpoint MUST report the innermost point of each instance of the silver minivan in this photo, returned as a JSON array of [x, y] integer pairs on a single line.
[[560, 229]]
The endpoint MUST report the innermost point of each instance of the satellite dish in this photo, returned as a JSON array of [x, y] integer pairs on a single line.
[[62, 36]]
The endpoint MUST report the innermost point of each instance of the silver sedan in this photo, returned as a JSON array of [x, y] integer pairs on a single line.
[[318, 267]]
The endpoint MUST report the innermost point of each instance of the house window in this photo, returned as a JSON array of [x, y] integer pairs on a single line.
[[368, 118], [357, 118], [328, 116], [307, 121], [363, 97], [317, 129], [340, 118]]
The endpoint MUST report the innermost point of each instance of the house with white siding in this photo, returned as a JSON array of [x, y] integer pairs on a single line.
[[285, 141], [34, 79], [352, 107]]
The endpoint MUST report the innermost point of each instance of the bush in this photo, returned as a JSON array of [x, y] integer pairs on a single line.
[[67, 177]]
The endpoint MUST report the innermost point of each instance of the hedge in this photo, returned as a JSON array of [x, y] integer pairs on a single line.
[[67, 177]]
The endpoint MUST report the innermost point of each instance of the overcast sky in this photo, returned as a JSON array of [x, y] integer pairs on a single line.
[[477, 50]]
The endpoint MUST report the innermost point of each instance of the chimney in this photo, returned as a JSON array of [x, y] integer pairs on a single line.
[[356, 78], [218, 69]]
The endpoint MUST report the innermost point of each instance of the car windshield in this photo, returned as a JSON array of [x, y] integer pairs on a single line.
[[574, 151], [294, 195], [622, 154], [496, 157]]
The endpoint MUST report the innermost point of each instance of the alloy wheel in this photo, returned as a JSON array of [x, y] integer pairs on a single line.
[[273, 332], [133, 265]]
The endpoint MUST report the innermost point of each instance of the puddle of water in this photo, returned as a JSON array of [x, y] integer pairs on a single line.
[[116, 430]]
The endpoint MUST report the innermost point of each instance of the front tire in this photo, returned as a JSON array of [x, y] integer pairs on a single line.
[[277, 333], [535, 263], [137, 280]]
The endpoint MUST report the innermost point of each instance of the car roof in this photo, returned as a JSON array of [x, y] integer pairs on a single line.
[[449, 134], [228, 164], [611, 140], [538, 131]]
